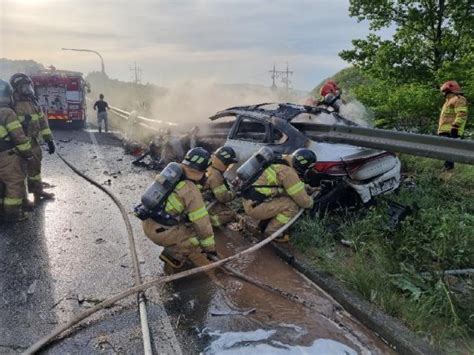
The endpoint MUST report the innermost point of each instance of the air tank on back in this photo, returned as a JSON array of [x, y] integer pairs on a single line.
[[163, 185], [258, 161]]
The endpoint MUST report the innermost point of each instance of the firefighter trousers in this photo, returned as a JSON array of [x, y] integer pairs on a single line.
[[179, 241], [33, 169], [12, 178], [278, 210], [221, 214]]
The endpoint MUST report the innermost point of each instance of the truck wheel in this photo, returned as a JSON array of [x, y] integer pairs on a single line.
[[341, 197]]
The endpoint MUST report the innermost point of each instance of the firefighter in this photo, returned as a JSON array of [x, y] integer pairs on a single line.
[[330, 96], [191, 237], [220, 213], [453, 115], [278, 192], [15, 147], [36, 127]]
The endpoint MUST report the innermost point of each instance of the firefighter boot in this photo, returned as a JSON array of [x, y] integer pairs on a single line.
[[43, 196], [285, 238], [13, 218], [171, 260]]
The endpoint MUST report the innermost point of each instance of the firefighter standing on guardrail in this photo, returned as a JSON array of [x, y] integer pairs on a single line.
[[275, 193], [35, 125], [453, 117], [220, 213], [15, 147], [102, 106], [174, 214]]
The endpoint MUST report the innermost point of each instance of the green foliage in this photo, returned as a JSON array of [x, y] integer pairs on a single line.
[[396, 269], [433, 41]]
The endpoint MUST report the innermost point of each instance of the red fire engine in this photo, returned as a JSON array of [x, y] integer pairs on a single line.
[[62, 95]]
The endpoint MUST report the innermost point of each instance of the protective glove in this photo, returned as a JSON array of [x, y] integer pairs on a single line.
[[51, 146], [211, 255], [454, 131]]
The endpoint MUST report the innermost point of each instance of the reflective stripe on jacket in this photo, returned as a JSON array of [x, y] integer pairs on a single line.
[[216, 183], [12, 132], [186, 200], [282, 180], [453, 113], [38, 123]]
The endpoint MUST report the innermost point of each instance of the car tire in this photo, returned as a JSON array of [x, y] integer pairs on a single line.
[[340, 198]]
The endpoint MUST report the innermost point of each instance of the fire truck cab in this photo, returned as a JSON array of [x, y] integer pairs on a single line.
[[62, 95]]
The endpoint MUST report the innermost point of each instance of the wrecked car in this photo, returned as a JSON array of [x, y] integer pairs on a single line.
[[348, 175]]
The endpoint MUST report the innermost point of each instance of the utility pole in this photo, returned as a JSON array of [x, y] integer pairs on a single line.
[[284, 75], [137, 74], [273, 73]]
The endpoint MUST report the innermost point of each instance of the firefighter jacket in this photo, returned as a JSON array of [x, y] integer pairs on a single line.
[[11, 133], [282, 180], [453, 113], [34, 122], [186, 201], [216, 183]]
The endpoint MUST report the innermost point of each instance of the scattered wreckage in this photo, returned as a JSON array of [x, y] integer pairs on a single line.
[[347, 175]]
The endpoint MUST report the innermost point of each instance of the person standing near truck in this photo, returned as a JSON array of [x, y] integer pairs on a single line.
[[102, 106], [35, 125]]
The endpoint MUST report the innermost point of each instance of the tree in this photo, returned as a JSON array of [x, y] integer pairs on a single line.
[[433, 41], [428, 33]]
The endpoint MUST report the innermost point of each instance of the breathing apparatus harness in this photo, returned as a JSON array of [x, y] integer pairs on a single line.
[[252, 169], [154, 199]]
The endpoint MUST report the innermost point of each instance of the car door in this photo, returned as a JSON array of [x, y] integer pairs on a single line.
[[247, 136]]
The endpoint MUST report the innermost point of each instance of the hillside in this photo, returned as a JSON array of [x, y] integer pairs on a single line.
[[8, 67]]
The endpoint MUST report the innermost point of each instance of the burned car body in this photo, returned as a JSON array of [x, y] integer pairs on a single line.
[[344, 171]]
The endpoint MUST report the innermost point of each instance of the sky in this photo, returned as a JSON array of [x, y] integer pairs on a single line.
[[229, 41]]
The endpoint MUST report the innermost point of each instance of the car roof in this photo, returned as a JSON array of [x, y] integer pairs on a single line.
[[285, 111]]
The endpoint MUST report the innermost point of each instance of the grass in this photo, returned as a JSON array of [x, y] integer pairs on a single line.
[[385, 266]]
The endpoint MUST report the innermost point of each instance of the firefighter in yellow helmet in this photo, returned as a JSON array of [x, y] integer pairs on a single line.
[[14, 148], [220, 213], [453, 117], [35, 125], [277, 192], [174, 214]]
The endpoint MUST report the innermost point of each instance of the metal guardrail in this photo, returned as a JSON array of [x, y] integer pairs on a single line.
[[430, 146], [457, 150]]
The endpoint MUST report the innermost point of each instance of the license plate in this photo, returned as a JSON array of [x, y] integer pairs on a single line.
[[383, 187]]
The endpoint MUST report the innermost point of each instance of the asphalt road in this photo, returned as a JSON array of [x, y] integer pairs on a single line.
[[73, 253]]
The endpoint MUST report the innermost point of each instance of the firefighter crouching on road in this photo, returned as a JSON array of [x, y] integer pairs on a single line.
[[276, 193], [220, 213], [453, 115], [35, 125], [14, 147], [175, 215]]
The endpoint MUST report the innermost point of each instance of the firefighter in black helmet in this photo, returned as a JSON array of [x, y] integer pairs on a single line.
[[35, 126], [220, 213], [191, 237], [14, 148]]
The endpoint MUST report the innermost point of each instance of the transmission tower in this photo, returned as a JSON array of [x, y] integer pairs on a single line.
[[136, 74], [283, 75]]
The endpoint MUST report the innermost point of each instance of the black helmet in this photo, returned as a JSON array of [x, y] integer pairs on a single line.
[[6, 93], [197, 158], [303, 159], [226, 155], [22, 84]]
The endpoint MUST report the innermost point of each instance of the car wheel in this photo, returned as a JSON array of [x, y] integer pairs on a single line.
[[339, 198]]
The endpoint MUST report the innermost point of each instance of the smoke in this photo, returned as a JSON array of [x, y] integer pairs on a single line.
[[357, 112], [191, 103]]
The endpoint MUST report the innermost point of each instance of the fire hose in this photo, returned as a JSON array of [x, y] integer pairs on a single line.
[[140, 287]]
